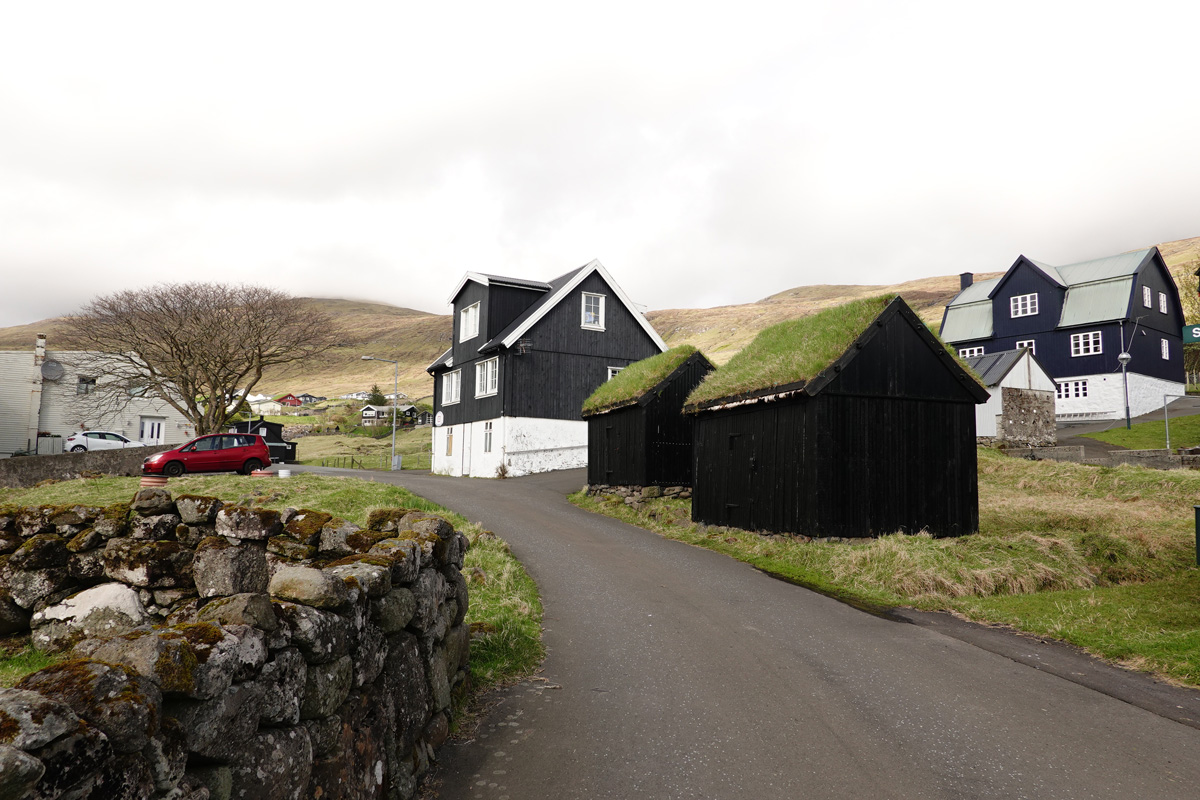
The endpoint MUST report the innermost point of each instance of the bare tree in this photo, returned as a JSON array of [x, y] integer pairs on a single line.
[[196, 346]]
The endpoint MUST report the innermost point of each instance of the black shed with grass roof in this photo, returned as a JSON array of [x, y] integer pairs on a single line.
[[852, 422], [638, 434]]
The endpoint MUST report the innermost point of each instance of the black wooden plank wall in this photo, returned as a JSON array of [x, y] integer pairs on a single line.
[[838, 466], [617, 447]]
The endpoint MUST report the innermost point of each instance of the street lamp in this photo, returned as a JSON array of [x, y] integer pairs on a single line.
[[395, 397], [1124, 358]]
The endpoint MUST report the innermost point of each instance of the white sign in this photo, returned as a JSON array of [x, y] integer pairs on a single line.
[[438, 419]]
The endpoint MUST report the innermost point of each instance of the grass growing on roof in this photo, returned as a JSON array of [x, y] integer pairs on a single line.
[[792, 351], [635, 380]]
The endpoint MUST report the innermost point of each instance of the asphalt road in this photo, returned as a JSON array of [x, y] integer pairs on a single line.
[[674, 672]]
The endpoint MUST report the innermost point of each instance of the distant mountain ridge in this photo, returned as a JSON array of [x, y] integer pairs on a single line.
[[415, 338]]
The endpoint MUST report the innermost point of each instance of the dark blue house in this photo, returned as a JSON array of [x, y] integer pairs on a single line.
[[1077, 319]]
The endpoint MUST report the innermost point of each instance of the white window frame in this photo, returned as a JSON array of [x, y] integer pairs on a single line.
[[450, 440], [970, 352], [1147, 297], [487, 377], [1090, 343], [1162, 302], [583, 312], [468, 323], [1164, 347], [1023, 305], [452, 387], [487, 437], [1067, 390], [614, 371], [1028, 344], [85, 385]]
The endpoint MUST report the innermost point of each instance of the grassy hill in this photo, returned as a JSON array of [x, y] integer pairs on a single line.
[[416, 338]]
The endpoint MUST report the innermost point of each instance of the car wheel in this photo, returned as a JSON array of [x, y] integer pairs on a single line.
[[78, 449], [173, 470], [251, 466]]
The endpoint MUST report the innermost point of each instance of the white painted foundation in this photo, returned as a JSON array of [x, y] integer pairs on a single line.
[[523, 445], [1106, 396]]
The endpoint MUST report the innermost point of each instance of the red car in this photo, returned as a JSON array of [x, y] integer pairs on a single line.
[[217, 452]]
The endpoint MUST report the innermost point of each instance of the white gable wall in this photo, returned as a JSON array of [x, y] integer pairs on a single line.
[[1026, 374], [523, 445]]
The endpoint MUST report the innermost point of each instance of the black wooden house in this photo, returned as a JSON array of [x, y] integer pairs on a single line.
[[282, 451], [524, 356], [638, 434], [852, 422]]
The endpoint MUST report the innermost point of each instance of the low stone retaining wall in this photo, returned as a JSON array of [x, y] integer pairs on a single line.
[[297, 655], [635, 495], [1154, 459], [22, 471]]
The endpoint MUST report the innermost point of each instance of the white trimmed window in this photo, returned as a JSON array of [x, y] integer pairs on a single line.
[[451, 388], [1069, 389], [970, 352], [1165, 348], [1085, 344], [85, 386], [1147, 297], [593, 312], [1023, 305], [468, 323], [487, 377], [450, 441], [487, 437], [1162, 302], [1027, 344], [613, 371]]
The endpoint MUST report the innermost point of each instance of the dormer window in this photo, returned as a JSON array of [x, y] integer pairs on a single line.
[[468, 323], [1147, 297], [593, 311], [1023, 305]]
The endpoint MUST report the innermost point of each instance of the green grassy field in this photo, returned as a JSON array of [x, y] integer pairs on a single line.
[[505, 610], [1100, 557], [413, 445], [1152, 435]]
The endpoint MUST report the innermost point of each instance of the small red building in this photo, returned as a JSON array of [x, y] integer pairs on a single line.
[[289, 400]]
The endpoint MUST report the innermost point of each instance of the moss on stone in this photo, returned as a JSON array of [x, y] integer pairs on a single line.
[[375, 560], [307, 524], [214, 543], [378, 519], [9, 728], [117, 511], [175, 669], [362, 541]]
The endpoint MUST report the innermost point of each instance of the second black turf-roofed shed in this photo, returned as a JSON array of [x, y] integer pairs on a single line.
[[853, 422], [638, 434]]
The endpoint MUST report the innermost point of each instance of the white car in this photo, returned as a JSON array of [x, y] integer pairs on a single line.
[[98, 440]]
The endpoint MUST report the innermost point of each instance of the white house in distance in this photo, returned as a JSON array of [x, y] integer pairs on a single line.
[[43, 391], [508, 394], [1021, 406]]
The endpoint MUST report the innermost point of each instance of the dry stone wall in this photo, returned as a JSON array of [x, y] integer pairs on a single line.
[[24, 471], [222, 651], [634, 496]]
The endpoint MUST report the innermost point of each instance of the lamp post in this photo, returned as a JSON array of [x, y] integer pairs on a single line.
[[395, 397], [1125, 358]]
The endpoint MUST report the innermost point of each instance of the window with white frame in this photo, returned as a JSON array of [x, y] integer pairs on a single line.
[[1023, 305], [1147, 297], [487, 377], [1027, 344], [85, 386], [468, 323], [1069, 389], [450, 441], [452, 387], [593, 311], [970, 352], [1162, 302], [1165, 348], [1085, 344], [487, 437], [613, 372]]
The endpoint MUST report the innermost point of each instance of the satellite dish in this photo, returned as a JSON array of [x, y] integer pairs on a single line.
[[52, 370]]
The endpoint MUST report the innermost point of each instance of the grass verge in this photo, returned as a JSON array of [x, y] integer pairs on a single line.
[[414, 445], [1152, 435], [1100, 557], [505, 611]]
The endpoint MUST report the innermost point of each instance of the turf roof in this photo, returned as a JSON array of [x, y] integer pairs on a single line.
[[791, 352], [631, 383]]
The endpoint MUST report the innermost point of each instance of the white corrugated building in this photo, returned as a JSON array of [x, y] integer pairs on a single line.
[[43, 391]]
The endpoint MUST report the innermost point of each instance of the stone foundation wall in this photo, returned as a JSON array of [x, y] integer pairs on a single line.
[[229, 652], [1027, 418], [22, 471], [635, 495]]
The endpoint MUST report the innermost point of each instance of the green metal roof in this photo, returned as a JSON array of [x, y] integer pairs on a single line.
[[967, 322], [975, 293], [1102, 269], [1099, 301]]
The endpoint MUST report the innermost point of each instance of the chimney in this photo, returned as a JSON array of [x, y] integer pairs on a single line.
[[39, 350], [965, 279]]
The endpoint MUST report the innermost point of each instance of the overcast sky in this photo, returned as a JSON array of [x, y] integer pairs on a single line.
[[705, 153]]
